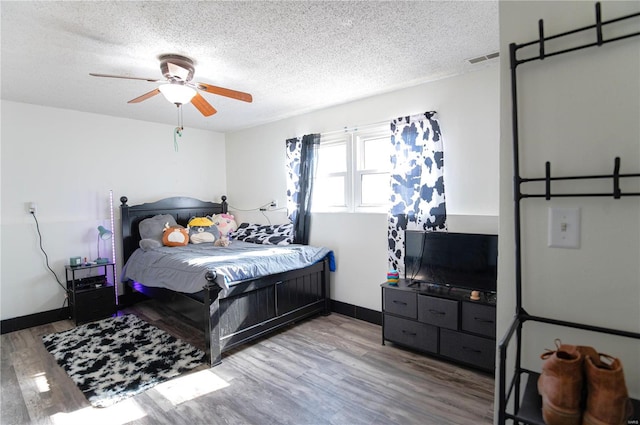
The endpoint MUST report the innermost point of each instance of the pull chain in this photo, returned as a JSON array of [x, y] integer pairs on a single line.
[[179, 128]]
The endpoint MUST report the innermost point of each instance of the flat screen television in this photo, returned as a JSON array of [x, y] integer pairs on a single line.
[[461, 260]]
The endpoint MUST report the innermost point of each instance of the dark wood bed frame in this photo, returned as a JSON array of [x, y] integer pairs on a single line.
[[249, 309]]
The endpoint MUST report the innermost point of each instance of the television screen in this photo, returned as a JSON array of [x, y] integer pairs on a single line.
[[463, 260]]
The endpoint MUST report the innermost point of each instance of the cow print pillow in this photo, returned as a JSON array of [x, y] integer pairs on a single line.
[[275, 234]]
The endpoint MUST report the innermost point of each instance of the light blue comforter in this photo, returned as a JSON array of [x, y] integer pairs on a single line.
[[184, 268]]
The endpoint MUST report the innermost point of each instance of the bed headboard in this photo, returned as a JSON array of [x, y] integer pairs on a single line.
[[182, 208]]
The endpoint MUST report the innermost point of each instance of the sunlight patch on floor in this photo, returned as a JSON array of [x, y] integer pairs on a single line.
[[119, 414], [41, 382], [189, 387]]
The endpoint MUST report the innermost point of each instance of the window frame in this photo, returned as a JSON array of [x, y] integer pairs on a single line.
[[359, 138], [329, 142], [355, 142]]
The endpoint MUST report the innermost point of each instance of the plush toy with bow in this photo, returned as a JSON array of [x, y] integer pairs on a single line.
[[226, 224]]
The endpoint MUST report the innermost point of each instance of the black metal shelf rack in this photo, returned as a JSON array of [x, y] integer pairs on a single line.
[[521, 391]]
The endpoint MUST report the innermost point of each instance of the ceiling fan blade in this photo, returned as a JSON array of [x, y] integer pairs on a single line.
[[151, 80], [203, 106], [245, 97], [144, 96]]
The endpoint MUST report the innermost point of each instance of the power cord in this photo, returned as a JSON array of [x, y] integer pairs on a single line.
[[46, 257], [265, 216], [269, 206], [260, 208]]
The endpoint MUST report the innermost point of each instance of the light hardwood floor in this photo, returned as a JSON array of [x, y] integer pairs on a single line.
[[325, 370]]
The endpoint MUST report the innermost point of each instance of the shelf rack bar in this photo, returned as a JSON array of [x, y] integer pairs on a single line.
[[599, 24], [541, 32], [592, 177], [526, 317], [547, 180], [573, 49], [599, 38], [516, 173], [503, 345], [513, 390], [616, 174], [616, 179], [576, 195]]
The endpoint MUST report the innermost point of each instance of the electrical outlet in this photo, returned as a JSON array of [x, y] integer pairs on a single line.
[[33, 208]]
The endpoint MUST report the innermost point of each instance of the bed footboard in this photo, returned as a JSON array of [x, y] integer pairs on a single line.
[[212, 322], [249, 309], [254, 308]]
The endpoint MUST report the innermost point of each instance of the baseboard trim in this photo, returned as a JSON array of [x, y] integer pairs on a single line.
[[42, 318], [31, 320], [368, 315]]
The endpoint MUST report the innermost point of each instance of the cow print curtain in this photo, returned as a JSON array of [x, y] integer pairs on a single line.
[[417, 184], [301, 162]]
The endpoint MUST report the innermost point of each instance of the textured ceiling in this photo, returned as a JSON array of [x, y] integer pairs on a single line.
[[293, 57]]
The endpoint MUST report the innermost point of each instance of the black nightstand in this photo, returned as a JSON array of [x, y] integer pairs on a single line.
[[91, 292]]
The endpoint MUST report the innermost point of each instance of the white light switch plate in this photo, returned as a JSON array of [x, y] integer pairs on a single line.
[[564, 227]]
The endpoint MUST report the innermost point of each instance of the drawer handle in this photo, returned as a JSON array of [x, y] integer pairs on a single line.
[[440, 313], [409, 333], [481, 320], [399, 302], [473, 350]]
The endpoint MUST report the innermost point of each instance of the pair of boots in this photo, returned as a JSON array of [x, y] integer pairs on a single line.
[[562, 387]]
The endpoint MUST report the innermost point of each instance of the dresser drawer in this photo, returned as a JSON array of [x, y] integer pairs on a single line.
[[91, 313], [94, 304], [410, 333], [479, 319], [402, 303], [96, 296], [474, 350], [438, 311]]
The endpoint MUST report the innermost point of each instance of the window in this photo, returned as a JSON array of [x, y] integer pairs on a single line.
[[353, 172]]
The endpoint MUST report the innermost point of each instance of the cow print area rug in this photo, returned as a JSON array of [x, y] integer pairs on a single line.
[[116, 358]]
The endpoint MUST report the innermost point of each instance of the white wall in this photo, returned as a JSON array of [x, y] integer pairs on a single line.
[[468, 109], [66, 162], [579, 111]]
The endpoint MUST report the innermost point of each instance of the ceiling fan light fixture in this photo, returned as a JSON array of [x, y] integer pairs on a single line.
[[178, 88], [177, 93]]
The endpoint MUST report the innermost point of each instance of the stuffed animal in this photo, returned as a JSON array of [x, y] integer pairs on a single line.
[[175, 236], [223, 241], [202, 229], [226, 223]]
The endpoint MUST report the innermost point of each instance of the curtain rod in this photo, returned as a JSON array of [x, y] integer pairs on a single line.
[[352, 129], [362, 127]]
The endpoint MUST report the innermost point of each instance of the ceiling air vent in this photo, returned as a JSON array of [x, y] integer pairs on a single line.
[[484, 57]]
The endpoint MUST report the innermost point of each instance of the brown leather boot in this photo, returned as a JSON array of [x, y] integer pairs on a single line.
[[560, 385], [607, 397]]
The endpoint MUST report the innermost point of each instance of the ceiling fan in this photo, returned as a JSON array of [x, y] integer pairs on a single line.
[[178, 88]]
